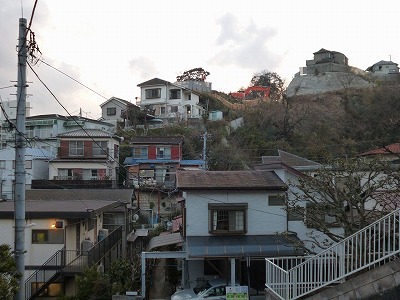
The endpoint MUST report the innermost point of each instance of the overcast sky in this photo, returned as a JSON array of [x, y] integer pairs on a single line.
[[112, 46]]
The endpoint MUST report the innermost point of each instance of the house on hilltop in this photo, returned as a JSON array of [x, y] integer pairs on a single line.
[[326, 61], [170, 102], [384, 68]]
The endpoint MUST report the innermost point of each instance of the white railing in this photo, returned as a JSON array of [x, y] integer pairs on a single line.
[[367, 248]]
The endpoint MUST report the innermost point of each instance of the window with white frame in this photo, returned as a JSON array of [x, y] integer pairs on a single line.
[[99, 148], [227, 218], [65, 174], [153, 93], [140, 152], [76, 148], [316, 214], [162, 110], [2, 164], [163, 152]]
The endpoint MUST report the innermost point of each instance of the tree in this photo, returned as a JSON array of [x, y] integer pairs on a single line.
[[269, 79], [121, 276], [93, 285], [196, 74], [349, 193], [9, 277]]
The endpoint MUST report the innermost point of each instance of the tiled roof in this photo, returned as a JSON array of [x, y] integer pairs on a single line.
[[390, 149], [88, 132], [154, 81], [123, 195], [157, 140], [239, 180]]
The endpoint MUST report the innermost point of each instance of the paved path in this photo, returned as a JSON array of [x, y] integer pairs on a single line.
[[159, 289]]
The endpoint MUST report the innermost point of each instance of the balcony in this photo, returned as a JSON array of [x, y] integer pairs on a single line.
[[72, 184]]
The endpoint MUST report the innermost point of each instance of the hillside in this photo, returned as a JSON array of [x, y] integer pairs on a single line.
[[318, 127]]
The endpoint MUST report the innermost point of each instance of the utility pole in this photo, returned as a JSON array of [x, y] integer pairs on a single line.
[[19, 196], [205, 150]]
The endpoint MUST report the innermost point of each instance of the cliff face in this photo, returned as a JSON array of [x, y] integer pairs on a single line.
[[326, 82]]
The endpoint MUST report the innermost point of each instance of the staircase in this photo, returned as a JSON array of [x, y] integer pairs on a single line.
[[70, 262], [372, 246]]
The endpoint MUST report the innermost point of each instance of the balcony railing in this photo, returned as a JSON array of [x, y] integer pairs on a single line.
[[72, 184]]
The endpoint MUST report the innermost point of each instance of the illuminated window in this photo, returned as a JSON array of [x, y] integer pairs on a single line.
[[51, 236]]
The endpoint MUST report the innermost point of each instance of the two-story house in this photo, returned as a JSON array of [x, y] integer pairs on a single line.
[[326, 61], [85, 156], [36, 167], [65, 231], [171, 102], [112, 110], [41, 131], [154, 161], [232, 220]]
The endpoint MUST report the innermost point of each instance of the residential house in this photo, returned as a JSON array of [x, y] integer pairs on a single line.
[[85, 158], [76, 228], [326, 61], [390, 153], [36, 167], [383, 67], [171, 102], [113, 110], [232, 220], [154, 161], [41, 131]]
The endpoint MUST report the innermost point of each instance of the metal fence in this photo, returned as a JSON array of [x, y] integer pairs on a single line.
[[367, 248]]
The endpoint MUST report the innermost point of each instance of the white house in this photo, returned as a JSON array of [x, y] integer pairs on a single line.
[[170, 101], [113, 109], [36, 167], [232, 221], [384, 68]]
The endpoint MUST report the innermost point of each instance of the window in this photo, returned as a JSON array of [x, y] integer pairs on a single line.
[[276, 200], [94, 173], [163, 152], [99, 149], [116, 151], [153, 93], [2, 164], [140, 152], [76, 148], [89, 224], [175, 94], [43, 236], [28, 164], [174, 109], [111, 111], [227, 218], [65, 174], [53, 290], [162, 110]]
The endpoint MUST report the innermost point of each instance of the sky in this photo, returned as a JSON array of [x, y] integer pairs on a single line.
[[112, 46]]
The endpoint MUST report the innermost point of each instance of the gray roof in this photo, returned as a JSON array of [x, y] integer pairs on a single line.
[[58, 208], [232, 180], [154, 81], [94, 133], [291, 160], [125, 102], [124, 195]]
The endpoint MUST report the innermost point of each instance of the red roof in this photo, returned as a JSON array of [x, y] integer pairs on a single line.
[[390, 149]]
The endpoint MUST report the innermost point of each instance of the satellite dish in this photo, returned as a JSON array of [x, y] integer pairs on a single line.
[[135, 217]]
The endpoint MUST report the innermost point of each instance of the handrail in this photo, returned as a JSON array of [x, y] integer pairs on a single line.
[[69, 261], [366, 248]]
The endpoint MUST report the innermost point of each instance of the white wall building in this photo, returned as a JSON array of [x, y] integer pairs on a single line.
[[170, 100], [36, 167]]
